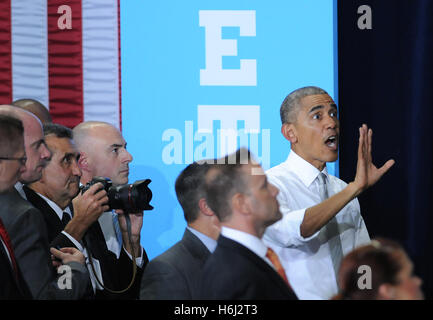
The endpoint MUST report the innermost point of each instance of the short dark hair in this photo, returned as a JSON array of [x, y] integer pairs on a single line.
[[224, 180], [291, 105], [11, 129], [58, 130], [189, 188]]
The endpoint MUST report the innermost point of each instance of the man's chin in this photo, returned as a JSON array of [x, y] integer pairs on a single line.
[[120, 180], [331, 155], [27, 179]]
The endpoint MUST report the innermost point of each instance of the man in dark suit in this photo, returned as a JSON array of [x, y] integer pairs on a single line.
[[176, 273], [78, 225], [26, 268], [242, 267], [11, 157]]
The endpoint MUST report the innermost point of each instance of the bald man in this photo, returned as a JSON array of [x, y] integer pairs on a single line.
[[37, 151], [26, 227], [103, 153], [35, 107]]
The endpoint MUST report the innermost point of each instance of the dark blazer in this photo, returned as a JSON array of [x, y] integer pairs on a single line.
[[175, 274], [116, 272], [29, 240], [234, 272], [10, 287]]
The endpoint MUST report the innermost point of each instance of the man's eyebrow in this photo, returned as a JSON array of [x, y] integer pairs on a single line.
[[116, 145], [318, 107], [313, 109], [69, 155], [37, 143]]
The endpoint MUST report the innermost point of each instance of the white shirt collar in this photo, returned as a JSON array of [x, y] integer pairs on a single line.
[[19, 188], [248, 240], [306, 172], [55, 207], [207, 241]]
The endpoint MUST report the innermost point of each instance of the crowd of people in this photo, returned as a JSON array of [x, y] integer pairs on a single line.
[[292, 232]]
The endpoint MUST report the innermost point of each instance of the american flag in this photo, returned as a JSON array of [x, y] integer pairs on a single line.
[[65, 54]]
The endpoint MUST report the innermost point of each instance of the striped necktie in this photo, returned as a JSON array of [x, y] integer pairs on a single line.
[[7, 241], [116, 226]]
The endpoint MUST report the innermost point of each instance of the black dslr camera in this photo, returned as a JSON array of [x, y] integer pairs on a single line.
[[130, 198]]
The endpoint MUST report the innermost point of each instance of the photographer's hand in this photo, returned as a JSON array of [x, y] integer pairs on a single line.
[[88, 207], [66, 255], [136, 225]]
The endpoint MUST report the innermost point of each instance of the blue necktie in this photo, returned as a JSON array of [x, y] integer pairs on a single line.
[[117, 228]]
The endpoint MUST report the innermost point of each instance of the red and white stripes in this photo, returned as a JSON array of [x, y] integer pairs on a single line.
[[74, 72]]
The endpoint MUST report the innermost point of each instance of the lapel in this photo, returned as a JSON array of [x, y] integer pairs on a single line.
[[54, 224], [94, 241], [195, 246]]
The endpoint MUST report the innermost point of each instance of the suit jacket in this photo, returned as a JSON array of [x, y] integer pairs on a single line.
[[116, 272], [11, 288], [234, 272], [176, 273], [29, 241]]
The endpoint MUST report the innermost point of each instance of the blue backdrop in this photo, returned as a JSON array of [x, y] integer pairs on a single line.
[[200, 78]]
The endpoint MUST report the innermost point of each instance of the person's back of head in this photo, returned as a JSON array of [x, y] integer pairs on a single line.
[[35, 107], [223, 180], [191, 194], [189, 188], [378, 271]]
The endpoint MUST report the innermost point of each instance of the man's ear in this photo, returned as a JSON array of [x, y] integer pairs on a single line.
[[203, 206], [240, 203], [83, 162], [289, 132]]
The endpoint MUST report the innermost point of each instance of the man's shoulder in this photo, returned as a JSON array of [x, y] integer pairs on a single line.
[[176, 259], [173, 255], [277, 170], [14, 206]]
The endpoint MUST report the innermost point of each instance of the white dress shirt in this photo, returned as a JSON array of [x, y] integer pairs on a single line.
[[253, 243], [307, 261]]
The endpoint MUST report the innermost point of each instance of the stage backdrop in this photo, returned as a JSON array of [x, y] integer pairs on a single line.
[[183, 80], [201, 78]]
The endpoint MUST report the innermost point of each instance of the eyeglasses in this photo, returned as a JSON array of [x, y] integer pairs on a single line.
[[22, 159]]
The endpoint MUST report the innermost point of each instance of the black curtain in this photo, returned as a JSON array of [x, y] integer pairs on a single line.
[[386, 80]]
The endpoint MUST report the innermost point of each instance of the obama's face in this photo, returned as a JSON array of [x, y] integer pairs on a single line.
[[315, 133]]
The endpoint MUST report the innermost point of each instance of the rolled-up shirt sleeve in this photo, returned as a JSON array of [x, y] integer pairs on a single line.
[[287, 231]]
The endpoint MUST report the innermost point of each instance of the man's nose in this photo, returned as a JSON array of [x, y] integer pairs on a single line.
[[275, 191], [128, 157], [45, 152], [76, 171], [331, 122]]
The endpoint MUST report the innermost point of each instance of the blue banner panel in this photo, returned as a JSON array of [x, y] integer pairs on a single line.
[[202, 78]]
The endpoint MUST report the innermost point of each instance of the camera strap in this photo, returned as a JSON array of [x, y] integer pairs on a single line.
[[134, 264]]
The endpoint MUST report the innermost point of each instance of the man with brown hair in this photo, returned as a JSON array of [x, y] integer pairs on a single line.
[[242, 267]]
